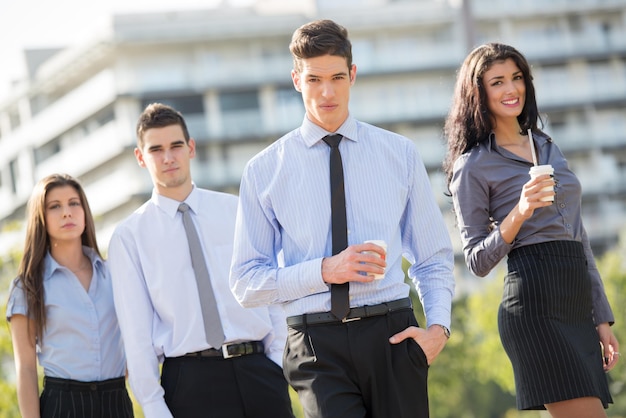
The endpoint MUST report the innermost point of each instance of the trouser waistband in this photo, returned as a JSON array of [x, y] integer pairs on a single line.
[[354, 314], [231, 350], [77, 385]]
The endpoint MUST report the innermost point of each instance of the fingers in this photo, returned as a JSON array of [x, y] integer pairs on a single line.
[[410, 332], [611, 360], [357, 263]]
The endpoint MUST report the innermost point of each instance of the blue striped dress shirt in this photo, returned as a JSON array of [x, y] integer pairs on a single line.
[[283, 226]]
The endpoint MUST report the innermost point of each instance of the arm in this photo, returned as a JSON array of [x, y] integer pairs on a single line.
[[135, 314], [602, 312], [255, 276], [528, 202], [23, 335], [485, 240], [427, 246], [278, 337]]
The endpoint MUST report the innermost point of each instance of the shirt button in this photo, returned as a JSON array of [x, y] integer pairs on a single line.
[[562, 205]]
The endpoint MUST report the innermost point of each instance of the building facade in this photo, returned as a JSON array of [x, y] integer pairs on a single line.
[[227, 70]]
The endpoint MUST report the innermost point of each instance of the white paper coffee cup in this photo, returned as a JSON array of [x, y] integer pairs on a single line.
[[538, 170], [382, 244]]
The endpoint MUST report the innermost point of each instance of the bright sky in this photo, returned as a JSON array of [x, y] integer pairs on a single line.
[[28, 24]]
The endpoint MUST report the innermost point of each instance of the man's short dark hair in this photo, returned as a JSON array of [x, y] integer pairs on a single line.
[[318, 38]]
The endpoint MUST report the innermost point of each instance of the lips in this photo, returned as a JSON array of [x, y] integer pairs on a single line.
[[510, 102]]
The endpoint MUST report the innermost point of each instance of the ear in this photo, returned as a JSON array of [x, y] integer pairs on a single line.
[[295, 77], [139, 158], [192, 147], [352, 74]]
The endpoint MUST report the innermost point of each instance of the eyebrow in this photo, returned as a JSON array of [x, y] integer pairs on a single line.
[[501, 76], [333, 75], [157, 147]]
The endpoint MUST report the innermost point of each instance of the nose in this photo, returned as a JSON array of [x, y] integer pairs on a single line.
[[167, 156], [328, 90], [510, 87], [67, 212]]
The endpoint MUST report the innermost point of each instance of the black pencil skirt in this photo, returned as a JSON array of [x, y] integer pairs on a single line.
[[546, 326]]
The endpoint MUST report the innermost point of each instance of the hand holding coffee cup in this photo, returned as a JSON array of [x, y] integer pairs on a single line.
[[382, 244], [539, 170]]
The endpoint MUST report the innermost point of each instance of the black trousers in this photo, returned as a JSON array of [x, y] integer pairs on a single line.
[[250, 386], [350, 370], [73, 399]]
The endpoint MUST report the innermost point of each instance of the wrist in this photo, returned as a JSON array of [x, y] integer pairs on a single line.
[[444, 329]]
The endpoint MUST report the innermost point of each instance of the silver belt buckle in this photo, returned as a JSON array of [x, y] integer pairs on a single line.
[[344, 320], [225, 352]]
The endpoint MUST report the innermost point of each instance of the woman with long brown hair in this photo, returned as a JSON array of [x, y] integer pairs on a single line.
[[61, 311], [554, 319]]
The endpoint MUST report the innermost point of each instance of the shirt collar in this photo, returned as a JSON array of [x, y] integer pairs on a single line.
[[312, 133], [170, 206], [51, 265], [540, 137]]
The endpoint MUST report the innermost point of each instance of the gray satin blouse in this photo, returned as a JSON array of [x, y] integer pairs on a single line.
[[486, 185]]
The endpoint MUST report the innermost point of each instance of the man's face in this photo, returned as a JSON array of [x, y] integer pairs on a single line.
[[167, 157], [325, 86]]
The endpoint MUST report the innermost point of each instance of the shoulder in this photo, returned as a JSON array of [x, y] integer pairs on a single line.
[[17, 299], [366, 130], [137, 214], [221, 199], [478, 154], [268, 155]]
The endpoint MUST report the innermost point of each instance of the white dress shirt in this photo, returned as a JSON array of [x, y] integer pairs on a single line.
[[156, 296], [284, 221]]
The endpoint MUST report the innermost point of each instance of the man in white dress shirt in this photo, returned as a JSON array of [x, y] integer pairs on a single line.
[[158, 302]]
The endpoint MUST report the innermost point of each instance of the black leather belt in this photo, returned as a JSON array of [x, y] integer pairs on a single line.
[[353, 315], [231, 350]]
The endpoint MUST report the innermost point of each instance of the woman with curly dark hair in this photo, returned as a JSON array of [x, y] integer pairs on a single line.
[[554, 319], [61, 311]]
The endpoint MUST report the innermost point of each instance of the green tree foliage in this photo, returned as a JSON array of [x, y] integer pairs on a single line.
[[8, 394], [612, 267]]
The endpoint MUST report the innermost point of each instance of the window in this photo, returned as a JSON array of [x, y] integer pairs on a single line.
[[239, 101], [186, 104]]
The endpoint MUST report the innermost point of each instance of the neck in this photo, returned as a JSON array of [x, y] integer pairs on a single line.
[[68, 254], [509, 135], [179, 193]]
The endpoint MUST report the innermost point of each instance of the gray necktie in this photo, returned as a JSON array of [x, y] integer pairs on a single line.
[[210, 314]]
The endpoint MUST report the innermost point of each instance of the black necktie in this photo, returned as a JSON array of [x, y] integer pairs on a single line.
[[339, 293]]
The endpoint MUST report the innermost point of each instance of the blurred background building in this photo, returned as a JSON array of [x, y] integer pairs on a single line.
[[227, 70]]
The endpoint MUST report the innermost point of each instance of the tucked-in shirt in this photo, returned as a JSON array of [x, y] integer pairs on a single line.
[[486, 185], [81, 340], [156, 295], [284, 221]]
